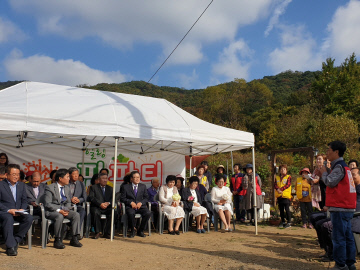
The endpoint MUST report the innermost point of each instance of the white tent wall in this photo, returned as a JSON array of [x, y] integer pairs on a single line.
[[45, 158]]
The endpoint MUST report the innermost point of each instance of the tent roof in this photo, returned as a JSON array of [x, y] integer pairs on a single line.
[[78, 117]]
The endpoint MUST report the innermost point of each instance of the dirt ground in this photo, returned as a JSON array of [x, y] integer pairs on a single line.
[[272, 248]]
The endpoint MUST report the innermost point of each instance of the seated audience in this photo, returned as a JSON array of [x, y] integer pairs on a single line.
[[2, 173], [57, 201], [23, 177], [78, 192], [81, 178], [13, 198], [152, 191], [4, 160], [126, 181], [135, 198], [192, 204], [303, 193], [179, 183], [94, 181], [221, 197], [106, 171], [172, 209], [52, 177], [101, 197], [35, 192]]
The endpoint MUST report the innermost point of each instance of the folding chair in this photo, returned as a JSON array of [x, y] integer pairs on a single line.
[[162, 217], [216, 215], [45, 224], [125, 222]]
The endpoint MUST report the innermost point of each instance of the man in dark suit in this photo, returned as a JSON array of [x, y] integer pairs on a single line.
[[135, 198], [13, 198], [78, 192], [101, 197], [57, 201], [35, 192]]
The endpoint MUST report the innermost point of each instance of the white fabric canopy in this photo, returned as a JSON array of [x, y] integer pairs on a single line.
[[35, 113]]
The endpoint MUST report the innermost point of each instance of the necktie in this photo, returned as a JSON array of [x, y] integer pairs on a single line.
[[103, 191], [62, 195], [135, 190]]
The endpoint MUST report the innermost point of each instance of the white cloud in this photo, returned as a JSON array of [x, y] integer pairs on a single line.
[[278, 11], [188, 81], [64, 71], [234, 61], [186, 53], [10, 32], [344, 31], [298, 51], [123, 23]]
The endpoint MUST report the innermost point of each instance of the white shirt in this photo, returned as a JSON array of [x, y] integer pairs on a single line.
[[217, 193], [193, 193]]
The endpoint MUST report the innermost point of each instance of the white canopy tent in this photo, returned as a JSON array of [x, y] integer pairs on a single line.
[[35, 113]]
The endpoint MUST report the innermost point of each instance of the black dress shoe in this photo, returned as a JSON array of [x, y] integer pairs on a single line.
[[172, 232], [11, 251], [75, 242], [177, 232], [131, 234], [141, 234], [58, 243]]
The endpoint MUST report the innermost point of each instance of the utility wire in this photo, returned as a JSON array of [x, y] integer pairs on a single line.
[[180, 41]]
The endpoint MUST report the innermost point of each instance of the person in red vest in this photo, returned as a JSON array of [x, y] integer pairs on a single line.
[[341, 200], [238, 193]]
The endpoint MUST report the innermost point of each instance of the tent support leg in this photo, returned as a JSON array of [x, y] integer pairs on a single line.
[[114, 191], [232, 161], [254, 190]]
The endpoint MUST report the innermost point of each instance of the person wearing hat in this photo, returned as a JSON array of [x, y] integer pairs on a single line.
[[221, 170], [303, 193], [28, 177], [248, 188]]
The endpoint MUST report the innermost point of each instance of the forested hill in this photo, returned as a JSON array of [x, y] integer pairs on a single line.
[[290, 109]]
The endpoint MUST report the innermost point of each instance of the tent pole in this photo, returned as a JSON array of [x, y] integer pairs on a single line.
[[190, 171], [114, 190], [232, 161], [254, 191], [190, 160], [83, 161]]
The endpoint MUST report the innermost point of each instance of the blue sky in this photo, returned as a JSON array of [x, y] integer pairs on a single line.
[[88, 42]]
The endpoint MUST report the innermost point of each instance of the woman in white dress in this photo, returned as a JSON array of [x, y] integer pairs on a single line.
[[172, 209], [221, 197], [192, 203]]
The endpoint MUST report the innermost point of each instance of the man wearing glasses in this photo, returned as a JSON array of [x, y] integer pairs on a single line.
[[13, 201]]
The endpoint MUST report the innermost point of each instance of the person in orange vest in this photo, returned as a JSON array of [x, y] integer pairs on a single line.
[[283, 194], [238, 194], [341, 200], [303, 193]]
